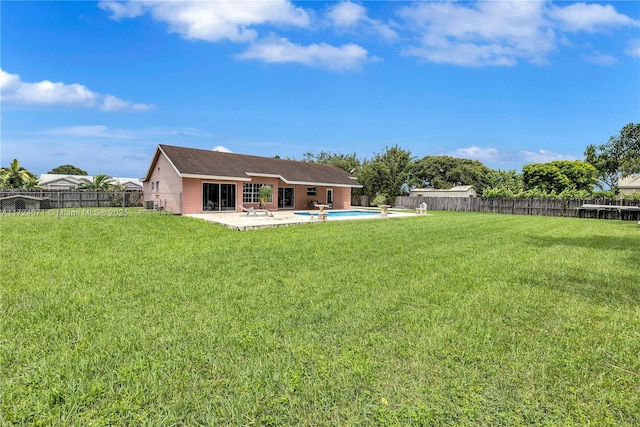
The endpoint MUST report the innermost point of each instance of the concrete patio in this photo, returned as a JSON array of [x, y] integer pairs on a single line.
[[242, 221]]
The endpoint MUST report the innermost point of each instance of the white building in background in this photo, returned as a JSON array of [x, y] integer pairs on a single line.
[[629, 184], [457, 191], [50, 181]]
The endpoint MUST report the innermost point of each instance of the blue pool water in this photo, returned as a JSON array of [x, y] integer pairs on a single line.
[[343, 213]]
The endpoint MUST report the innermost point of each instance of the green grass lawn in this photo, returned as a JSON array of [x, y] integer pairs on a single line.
[[452, 319]]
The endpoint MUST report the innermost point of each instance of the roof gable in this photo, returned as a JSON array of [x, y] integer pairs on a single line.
[[46, 178], [192, 162]]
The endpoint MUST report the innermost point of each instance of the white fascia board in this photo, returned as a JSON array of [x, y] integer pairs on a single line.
[[215, 177], [286, 181], [323, 184], [266, 175]]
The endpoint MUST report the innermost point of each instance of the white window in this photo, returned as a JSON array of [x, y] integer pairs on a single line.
[[250, 193]]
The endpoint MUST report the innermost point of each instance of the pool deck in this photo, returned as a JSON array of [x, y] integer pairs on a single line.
[[243, 222]]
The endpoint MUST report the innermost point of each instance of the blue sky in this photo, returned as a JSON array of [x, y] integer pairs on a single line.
[[100, 84]]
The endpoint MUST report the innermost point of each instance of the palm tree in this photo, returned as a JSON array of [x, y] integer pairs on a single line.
[[17, 177], [264, 194], [100, 182], [118, 190]]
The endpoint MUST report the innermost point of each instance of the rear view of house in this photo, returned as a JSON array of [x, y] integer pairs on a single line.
[[187, 180]]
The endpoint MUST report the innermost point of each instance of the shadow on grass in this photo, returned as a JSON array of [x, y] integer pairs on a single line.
[[620, 286], [621, 290], [593, 242]]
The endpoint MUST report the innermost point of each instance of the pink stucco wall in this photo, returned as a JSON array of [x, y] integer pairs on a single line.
[[341, 197], [164, 186], [192, 195]]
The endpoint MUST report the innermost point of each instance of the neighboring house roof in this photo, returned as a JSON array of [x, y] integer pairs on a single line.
[[197, 163], [131, 182], [22, 196], [72, 181], [460, 188], [631, 181]]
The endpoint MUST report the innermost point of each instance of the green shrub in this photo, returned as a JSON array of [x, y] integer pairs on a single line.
[[380, 199]]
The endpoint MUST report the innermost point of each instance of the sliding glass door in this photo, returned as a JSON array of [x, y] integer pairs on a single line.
[[285, 198], [218, 197]]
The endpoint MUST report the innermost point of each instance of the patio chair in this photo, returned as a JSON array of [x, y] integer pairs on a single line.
[[422, 209], [254, 211]]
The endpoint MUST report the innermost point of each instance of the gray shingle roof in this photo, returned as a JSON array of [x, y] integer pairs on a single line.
[[202, 163]]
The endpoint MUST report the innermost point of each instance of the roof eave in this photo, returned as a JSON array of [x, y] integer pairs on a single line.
[[215, 177], [292, 182], [324, 184]]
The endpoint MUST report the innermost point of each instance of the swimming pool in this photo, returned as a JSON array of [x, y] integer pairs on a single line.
[[334, 214]]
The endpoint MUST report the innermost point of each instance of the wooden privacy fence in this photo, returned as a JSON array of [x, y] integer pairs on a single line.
[[54, 199], [359, 200], [466, 204], [522, 206]]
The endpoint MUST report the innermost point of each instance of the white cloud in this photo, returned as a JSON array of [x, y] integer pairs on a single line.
[[633, 48], [213, 20], [502, 33], [598, 58], [352, 16], [111, 103], [281, 50], [471, 34], [488, 33], [48, 93], [241, 22], [477, 153], [542, 156], [347, 14], [222, 149], [590, 17], [497, 157], [91, 131], [153, 133]]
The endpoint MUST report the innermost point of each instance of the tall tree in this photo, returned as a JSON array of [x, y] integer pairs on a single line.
[[398, 164], [510, 181], [16, 176], [619, 157], [347, 162], [607, 167], [68, 170], [446, 172], [375, 178], [582, 175], [544, 177]]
